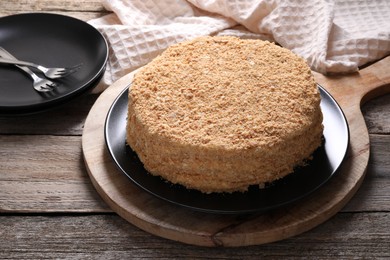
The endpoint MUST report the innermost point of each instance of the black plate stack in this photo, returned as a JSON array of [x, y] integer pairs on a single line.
[[54, 41]]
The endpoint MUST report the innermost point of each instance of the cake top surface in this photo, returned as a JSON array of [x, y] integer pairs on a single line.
[[225, 91]]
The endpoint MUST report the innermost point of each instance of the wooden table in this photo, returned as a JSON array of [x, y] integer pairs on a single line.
[[49, 208]]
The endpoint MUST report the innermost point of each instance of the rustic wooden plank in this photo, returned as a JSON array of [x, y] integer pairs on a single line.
[[52, 5], [377, 115], [85, 16], [84, 10], [374, 193], [45, 174], [67, 119], [360, 235], [379, 159]]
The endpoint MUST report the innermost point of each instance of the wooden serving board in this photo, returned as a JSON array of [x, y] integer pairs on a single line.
[[177, 223]]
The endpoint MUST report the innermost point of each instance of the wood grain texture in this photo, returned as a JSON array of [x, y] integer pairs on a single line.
[[85, 16], [45, 174], [52, 5], [374, 194], [83, 9], [377, 115], [149, 213], [346, 236]]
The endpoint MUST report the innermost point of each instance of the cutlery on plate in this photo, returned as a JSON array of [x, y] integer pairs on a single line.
[[51, 73], [39, 84]]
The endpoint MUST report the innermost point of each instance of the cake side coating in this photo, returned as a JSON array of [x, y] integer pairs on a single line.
[[218, 114]]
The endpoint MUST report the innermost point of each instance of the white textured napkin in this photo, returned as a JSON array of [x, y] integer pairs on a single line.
[[333, 36]]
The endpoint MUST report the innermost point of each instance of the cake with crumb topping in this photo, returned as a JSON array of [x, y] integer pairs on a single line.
[[219, 114]]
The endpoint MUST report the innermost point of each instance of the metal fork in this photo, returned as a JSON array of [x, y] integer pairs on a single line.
[[39, 84], [51, 73]]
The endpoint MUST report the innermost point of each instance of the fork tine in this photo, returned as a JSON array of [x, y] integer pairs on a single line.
[[62, 73], [44, 88], [49, 85], [67, 71], [52, 84], [45, 85]]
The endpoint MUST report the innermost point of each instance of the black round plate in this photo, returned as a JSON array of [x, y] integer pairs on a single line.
[[326, 160], [54, 41]]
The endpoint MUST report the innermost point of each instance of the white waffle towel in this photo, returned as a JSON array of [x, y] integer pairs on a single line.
[[333, 36]]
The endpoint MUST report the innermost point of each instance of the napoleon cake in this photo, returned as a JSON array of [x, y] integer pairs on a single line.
[[219, 114]]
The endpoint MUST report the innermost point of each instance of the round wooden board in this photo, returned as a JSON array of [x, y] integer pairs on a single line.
[[180, 224]]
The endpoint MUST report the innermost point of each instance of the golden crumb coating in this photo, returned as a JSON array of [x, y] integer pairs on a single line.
[[219, 114]]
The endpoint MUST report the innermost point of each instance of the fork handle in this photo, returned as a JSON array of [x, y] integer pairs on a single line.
[[6, 55], [18, 62]]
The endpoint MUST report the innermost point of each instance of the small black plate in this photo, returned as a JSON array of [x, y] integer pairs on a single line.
[[54, 41], [326, 160]]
